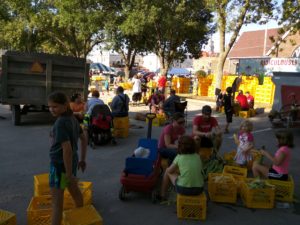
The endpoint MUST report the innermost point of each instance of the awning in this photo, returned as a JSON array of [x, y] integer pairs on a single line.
[[102, 68], [177, 71]]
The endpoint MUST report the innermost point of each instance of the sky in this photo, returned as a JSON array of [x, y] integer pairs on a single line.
[[249, 27]]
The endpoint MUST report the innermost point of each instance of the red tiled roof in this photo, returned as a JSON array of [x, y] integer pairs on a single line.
[[251, 44]]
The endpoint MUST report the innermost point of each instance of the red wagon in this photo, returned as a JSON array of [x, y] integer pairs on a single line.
[[141, 174]]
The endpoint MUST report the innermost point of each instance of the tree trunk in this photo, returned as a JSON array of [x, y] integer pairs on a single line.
[[221, 62], [164, 66], [126, 71]]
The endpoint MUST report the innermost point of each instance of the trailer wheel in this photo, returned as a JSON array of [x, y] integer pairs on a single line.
[[16, 115], [122, 193]]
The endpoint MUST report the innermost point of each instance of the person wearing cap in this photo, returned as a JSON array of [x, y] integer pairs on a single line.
[[206, 130]]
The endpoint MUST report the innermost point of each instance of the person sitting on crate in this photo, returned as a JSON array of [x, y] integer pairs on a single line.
[[169, 104], [156, 100], [185, 173], [241, 99], [250, 100], [206, 130], [120, 104], [167, 145], [280, 161]]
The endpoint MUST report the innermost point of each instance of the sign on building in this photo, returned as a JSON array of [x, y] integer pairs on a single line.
[[268, 65]]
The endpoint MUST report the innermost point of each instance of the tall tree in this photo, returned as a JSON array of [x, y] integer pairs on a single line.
[[126, 31], [177, 28], [289, 21], [17, 30], [291, 13], [71, 27], [231, 16], [66, 27]]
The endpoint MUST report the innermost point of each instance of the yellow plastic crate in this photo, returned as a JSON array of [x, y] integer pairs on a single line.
[[39, 210], [7, 218], [159, 120], [121, 122], [284, 190], [244, 114], [121, 127], [41, 184], [191, 207], [121, 132], [252, 112], [86, 215], [86, 190], [235, 171], [222, 187], [239, 174], [261, 198], [205, 153]]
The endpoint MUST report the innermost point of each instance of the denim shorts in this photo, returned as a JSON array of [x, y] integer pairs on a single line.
[[57, 175]]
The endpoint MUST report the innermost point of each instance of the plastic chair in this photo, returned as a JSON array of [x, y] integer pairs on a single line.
[[182, 108]]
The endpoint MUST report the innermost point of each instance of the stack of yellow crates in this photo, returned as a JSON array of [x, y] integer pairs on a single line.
[[39, 209], [121, 127]]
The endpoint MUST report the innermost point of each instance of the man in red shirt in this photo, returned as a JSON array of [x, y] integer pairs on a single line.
[[161, 83], [242, 100], [250, 99], [206, 130]]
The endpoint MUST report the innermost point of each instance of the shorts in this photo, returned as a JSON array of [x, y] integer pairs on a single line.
[[86, 120], [57, 175], [273, 174], [188, 190]]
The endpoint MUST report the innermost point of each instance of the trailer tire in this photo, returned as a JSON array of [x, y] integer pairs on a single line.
[[16, 115]]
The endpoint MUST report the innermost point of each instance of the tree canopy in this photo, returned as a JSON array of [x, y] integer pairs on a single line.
[[177, 28], [231, 16], [69, 27]]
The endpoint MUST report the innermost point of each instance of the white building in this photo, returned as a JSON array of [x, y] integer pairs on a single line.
[[150, 61]]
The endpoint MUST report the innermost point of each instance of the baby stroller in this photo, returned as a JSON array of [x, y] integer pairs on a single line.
[[142, 174], [100, 126]]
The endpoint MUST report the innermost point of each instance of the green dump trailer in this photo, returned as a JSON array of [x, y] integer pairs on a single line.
[[28, 78]]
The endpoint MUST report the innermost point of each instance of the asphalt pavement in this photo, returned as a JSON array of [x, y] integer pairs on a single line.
[[24, 153]]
